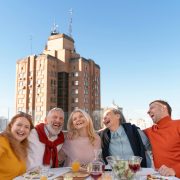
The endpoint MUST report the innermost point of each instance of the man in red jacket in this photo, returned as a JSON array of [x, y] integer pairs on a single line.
[[164, 137], [46, 140]]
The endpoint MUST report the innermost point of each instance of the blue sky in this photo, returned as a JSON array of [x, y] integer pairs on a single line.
[[135, 42]]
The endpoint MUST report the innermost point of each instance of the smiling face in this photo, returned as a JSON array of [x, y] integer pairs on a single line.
[[79, 121], [55, 121], [157, 111], [111, 120], [20, 128]]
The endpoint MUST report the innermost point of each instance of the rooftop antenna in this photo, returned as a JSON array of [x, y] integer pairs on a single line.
[[70, 22], [54, 29], [116, 106]]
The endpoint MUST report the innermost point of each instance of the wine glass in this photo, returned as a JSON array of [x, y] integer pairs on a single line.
[[44, 172], [96, 170], [135, 163], [111, 161], [98, 157]]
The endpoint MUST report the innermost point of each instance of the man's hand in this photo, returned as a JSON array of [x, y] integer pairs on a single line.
[[166, 171]]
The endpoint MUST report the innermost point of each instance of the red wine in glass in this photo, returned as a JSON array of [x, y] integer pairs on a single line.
[[103, 167], [96, 175], [134, 167]]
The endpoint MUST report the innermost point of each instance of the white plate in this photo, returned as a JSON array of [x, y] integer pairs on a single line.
[[150, 171], [35, 176]]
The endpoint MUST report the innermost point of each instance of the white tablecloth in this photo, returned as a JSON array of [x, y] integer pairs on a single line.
[[141, 174], [146, 171], [56, 171]]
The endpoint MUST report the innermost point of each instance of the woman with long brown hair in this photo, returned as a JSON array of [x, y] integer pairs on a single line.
[[14, 145]]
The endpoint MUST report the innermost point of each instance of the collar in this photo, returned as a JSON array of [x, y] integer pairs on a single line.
[[118, 132], [162, 123]]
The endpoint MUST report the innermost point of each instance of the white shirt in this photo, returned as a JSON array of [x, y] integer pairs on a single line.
[[36, 150]]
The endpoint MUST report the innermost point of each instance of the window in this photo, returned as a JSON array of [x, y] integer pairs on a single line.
[[76, 100], [20, 91], [76, 83], [76, 74], [86, 91], [38, 118], [24, 92], [38, 90], [20, 83], [20, 101], [86, 83], [85, 100], [30, 100], [86, 109], [20, 109], [76, 91], [30, 73]]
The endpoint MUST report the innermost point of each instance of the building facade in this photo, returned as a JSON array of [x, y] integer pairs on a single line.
[[59, 77]]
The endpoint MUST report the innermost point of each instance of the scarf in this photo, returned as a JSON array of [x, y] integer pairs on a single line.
[[50, 146]]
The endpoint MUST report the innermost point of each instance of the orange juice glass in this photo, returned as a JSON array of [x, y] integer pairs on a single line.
[[43, 177], [75, 166]]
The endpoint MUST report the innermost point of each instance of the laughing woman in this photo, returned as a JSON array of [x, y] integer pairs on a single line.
[[84, 139], [13, 146]]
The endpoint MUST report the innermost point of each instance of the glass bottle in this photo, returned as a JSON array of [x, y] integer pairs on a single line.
[[98, 157]]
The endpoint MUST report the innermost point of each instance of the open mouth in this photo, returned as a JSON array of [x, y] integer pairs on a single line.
[[57, 125], [152, 115], [20, 134], [107, 122], [79, 123]]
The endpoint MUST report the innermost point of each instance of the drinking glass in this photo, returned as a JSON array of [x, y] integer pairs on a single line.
[[98, 157], [135, 164], [44, 172], [111, 161], [75, 165], [96, 170]]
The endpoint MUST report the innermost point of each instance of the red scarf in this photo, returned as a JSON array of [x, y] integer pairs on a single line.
[[50, 146]]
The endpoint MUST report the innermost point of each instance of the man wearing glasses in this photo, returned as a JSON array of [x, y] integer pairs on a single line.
[[46, 140]]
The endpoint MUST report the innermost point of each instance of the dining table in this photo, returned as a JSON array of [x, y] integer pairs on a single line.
[[140, 175]]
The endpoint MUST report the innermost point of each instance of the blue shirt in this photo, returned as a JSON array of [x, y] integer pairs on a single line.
[[120, 145]]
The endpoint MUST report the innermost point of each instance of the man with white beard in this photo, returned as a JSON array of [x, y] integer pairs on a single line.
[[46, 140]]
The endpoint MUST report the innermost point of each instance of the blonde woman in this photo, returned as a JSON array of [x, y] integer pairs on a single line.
[[84, 139], [14, 145]]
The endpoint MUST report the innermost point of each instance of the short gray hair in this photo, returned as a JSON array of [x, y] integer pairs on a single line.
[[55, 109]]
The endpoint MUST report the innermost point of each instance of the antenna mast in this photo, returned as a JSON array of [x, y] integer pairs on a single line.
[[70, 22], [54, 29]]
